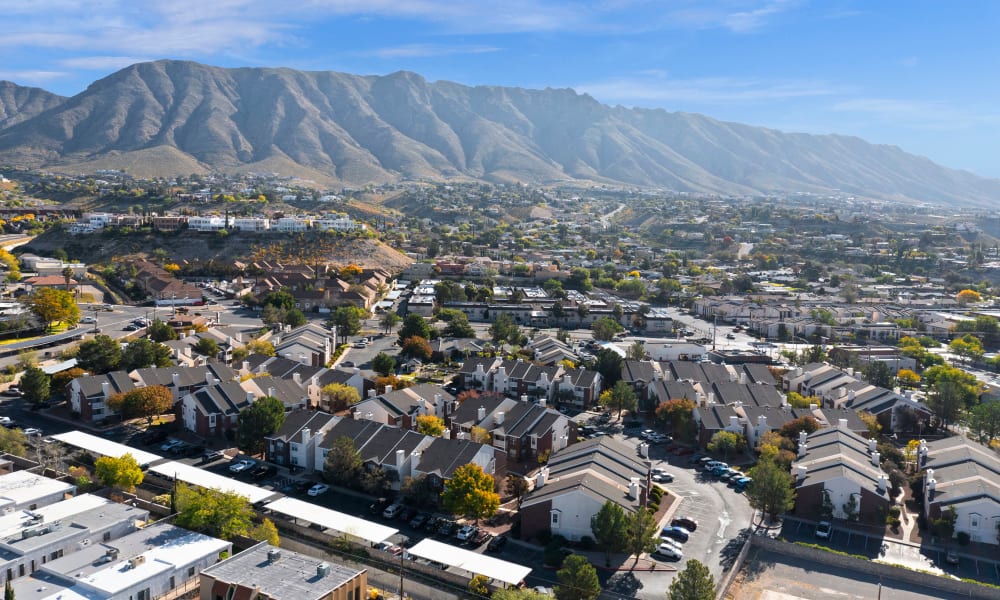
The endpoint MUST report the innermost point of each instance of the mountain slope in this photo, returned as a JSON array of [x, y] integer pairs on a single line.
[[360, 129], [19, 103]]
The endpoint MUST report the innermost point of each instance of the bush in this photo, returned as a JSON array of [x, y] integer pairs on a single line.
[[587, 542], [963, 538], [894, 511], [544, 536], [654, 506], [553, 555], [892, 522]]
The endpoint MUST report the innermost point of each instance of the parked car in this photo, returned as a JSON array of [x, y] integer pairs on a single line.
[[170, 445], [668, 551], [418, 521], [465, 533], [951, 557], [481, 536], [408, 514], [262, 471], [741, 483], [13, 391], [730, 336], [318, 489], [7, 422], [663, 477], [678, 533], [241, 465], [685, 522], [824, 529], [32, 432], [153, 436], [728, 474], [497, 543], [378, 506], [211, 456], [447, 528], [392, 511]]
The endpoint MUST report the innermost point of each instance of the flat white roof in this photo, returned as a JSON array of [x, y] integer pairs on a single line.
[[209, 480], [331, 519], [105, 447], [23, 487], [13, 523], [473, 562]]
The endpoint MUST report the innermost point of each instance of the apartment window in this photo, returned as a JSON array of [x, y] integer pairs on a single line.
[[20, 570], [555, 518], [190, 571], [143, 595], [107, 536], [173, 584], [211, 420], [974, 520]]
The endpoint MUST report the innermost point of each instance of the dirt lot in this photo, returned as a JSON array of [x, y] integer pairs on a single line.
[[770, 576]]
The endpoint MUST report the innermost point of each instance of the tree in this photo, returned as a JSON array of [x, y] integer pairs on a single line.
[[609, 364], [505, 330], [35, 385], [870, 421], [609, 528], [724, 442], [519, 594], [621, 397], [52, 305], [142, 403], [122, 472], [458, 325], [642, 533], [771, 489], [966, 297], [851, 508], [695, 582], [99, 355], [791, 429], [517, 487], [257, 421], [479, 586], [13, 441], [470, 492], [375, 481], [679, 415], [416, 347], [295, 318], [636, 351], [279, 299], [479, 435], [142, 353], [879, 374], [207, 346], [161, 332], [946, 400], [414, 326], [983, 421], [907, 379], [968, 346], [605, 328], [343, 461], [8, 591], [347, 320], [383, 364], [214, 512], [340, 396], [389, 321], [430, 425], [265, 531], [577, 579]]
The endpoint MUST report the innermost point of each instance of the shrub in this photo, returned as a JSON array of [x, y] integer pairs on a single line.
[[553, 555], [587, 542], [894, 511], [544, 536], [963, 538], [892, 522]]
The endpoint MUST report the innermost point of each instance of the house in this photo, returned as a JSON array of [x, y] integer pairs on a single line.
[[402, 407], [477, 372], [963, 476], [294, 443], [518, 378], [214, 410], [350, 377], [310, 344], [31, 538], [713, 418], [839, 469], [578, 481], [439, 459], [291, 393], [896, 412], [183, 380], [640, 376], [526, 430], [578, 388], [264, 571], [150, 563], [88, 395]]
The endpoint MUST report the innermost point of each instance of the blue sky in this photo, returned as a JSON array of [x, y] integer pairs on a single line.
[[918, 74]]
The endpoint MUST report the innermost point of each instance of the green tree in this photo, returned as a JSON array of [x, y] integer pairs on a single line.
[[13, 441], [695, 582], [879, 374], [383, 364], [207, 346], [295, 318], [414, 326], [343, 462], [99, 355], [968, 346], [389, 321], [605, 328], [725, 442], [505, 330], [479, 586], [470, 492], [161, 332], [946, 400], [458, 324], [142, 403], [214, 512], [142, 353], [52, 305], [609, 364], [983, 421], [35, 385], [122, 473], [771, 489], [642, 533], [621, 397], [340, 396], [265, 531], [257, 421], [636, 351], [279, 299], [609, 527], [577, 579], [347, 320], [430, 425]]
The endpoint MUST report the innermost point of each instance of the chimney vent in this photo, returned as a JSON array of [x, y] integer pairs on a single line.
[[273, 555]]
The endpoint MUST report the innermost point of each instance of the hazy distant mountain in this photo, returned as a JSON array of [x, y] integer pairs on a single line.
[[19, 103], [172, 117]]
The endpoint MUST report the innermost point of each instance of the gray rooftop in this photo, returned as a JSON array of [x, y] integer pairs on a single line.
[[293, 576]]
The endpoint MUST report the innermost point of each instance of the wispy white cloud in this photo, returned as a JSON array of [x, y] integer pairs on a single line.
[[101, 63], [31, 76], [655, 86], [916, 114], [734, 15], [426, 50]]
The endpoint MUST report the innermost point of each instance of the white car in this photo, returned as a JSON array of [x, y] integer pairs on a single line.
[[318, 489], [88, 320], [170, 445], [32, 432], [824, 529], [668, 551], [465, 533], [241, 465]]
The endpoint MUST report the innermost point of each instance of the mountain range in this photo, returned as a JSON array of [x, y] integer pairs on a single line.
[[178, 117]]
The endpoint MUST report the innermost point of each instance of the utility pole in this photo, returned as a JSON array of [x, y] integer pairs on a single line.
[[401, 596]]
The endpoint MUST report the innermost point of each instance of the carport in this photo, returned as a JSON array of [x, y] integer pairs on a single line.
[[99, 445], [471, 562], [208, 480], [331, 519]]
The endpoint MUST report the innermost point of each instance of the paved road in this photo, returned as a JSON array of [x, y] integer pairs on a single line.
[[772, 576]]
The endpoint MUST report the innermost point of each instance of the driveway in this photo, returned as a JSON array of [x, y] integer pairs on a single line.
[[722, 516]]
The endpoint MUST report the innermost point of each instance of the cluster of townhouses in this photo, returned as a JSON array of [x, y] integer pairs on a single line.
[[91, 222]]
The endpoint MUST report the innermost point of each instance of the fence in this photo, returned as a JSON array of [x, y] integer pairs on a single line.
[[735, 569]]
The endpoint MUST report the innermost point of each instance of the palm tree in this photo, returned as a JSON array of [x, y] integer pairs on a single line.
[[67, 274]]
